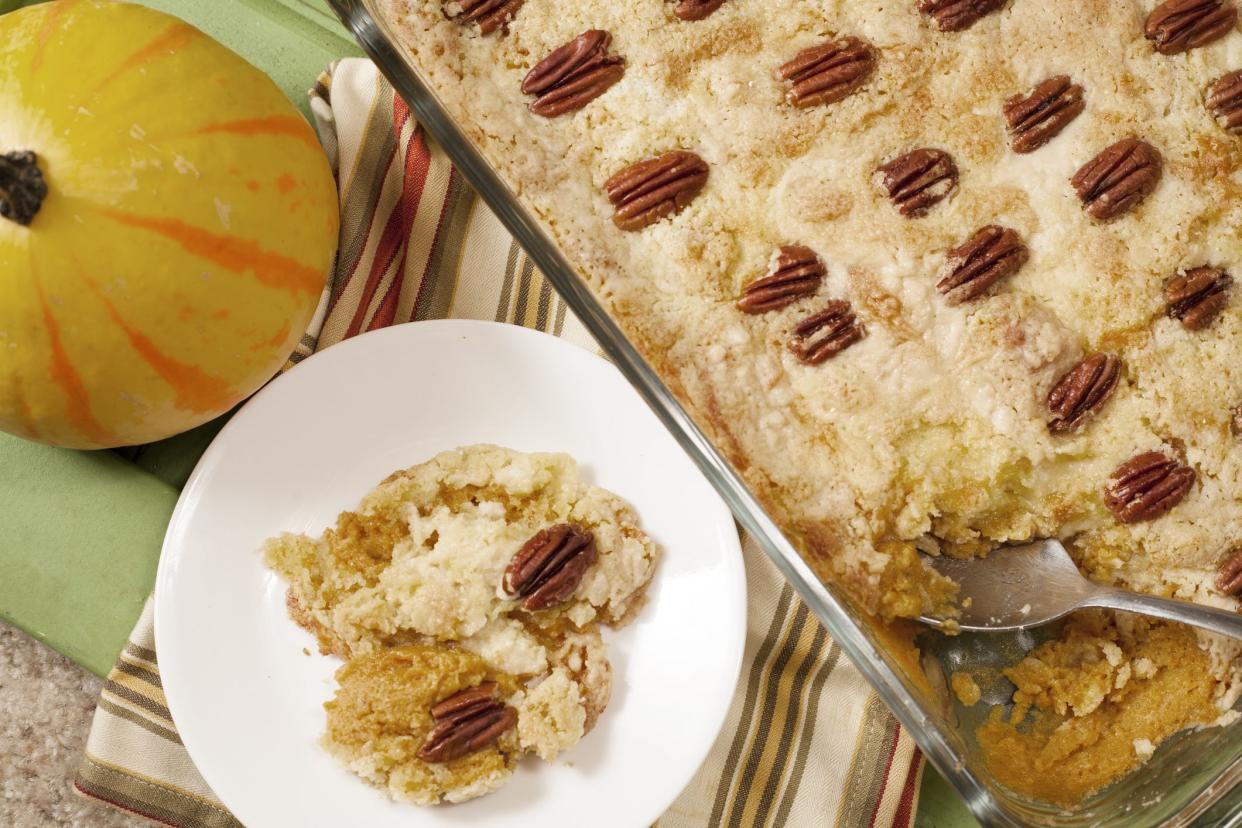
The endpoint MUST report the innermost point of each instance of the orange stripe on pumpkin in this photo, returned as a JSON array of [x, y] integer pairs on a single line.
[[280, 126], [54, 13], [234, 254], [275, 342], [77, 401], [165, 44], [25, 416], [196, 390]]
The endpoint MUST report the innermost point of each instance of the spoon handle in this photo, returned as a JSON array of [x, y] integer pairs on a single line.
[[1209, 618]]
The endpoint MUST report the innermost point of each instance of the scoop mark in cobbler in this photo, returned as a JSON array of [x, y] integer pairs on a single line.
[[796, 273], [1119, 178], [1037, 117], [1177, 26], [466, 723], [655, 188], [1198, 296], [573, 75], [828, 72], [971, 270], [548, 568], [1147, 487], [918, 180], [1082, 392]]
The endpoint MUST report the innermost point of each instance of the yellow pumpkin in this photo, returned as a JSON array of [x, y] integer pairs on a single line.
[[186, 222]]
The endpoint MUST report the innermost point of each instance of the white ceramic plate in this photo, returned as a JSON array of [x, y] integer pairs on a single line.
[[248, 701]]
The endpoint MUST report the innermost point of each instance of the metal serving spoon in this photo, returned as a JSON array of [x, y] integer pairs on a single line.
[[1017, 587]]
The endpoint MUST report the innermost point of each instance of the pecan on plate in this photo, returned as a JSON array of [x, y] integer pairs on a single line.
[[696, 9], [918, 180], [971, 269], [655, 188], [573, 75], [1178, 25], [829, 72], [1229, 581], [1082, 392], [956, 15], [797, 272], [489, 14], [548, 568], [1225, 101], [1198, 296], [1037, 117], [1147, 486], [466, 723], [1117, 179], [823, 335]]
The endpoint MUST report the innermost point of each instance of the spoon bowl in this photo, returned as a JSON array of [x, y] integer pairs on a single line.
[[1019, 587]]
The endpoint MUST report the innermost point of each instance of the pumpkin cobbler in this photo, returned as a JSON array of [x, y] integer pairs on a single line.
[[466, 595], [935, 275]]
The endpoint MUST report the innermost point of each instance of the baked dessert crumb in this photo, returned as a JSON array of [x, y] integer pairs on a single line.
[[965, 688], [467, 595]]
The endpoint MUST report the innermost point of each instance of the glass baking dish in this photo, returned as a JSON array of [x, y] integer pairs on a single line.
[[1190, 780]]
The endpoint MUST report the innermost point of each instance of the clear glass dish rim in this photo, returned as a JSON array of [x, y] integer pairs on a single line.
[[361, 21]]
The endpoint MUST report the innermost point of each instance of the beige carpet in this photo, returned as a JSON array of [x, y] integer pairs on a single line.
[[46, 703]]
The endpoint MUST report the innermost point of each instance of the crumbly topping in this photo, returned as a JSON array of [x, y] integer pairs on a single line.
[[932, 432], [879, 431]]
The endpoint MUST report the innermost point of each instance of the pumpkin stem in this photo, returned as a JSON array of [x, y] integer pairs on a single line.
[[22, 188]]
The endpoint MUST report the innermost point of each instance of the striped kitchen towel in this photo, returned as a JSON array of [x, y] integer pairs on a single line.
[[806, 742]]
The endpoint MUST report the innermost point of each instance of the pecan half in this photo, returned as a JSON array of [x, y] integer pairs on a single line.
[[1117, 179], [1198, 296], [970, 270], [1225, 101], [696, 9], [829, 72], [1178, 25], [1082, 392], [548, 568], [796, 273], [918, 180], [489, 14], [573, 75], [1229, 581], [956, 15], [823, 335], [1037, 117], [466, 723], [655, 188], [1147, 486]]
